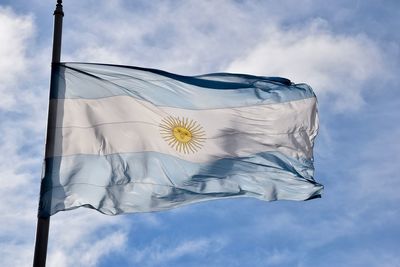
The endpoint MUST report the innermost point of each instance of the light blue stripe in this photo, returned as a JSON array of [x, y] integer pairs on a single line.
[[218, 90], [150, 181]]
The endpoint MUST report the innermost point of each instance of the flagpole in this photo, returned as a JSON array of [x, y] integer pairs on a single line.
[[43, 223]]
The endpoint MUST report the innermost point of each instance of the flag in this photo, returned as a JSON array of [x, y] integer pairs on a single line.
[[127, 139]]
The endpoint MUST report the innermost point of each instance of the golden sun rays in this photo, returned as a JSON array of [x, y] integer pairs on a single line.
[[182, 134]]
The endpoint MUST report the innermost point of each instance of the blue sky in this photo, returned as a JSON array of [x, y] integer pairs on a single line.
[[348, 51]]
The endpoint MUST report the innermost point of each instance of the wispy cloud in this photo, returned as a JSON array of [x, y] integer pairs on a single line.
[[337, 66], [162, 252], [16, 31], [83, 238], [17, 140], [170, 35]]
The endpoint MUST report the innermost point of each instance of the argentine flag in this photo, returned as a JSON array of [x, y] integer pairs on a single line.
[[128, 139]]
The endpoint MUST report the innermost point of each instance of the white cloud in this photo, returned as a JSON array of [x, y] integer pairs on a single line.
[[13, 254], [18, 132], [16, 31], [337, 66], [82, 238], [277, 257], [189, 37], [161, 252]]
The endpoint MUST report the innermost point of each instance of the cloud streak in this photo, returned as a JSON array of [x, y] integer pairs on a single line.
[[16, 31], [336, 66], [161, 252]]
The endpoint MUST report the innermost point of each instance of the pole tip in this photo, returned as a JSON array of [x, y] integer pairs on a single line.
[[59, 8]]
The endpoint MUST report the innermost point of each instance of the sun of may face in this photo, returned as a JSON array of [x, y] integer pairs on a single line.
[[182, 134]]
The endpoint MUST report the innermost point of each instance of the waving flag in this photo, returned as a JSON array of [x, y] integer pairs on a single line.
[[127, 139]]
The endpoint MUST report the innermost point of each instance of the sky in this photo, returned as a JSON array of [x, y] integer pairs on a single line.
[[348, 51]]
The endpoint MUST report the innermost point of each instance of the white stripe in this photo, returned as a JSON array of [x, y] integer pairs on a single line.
[[124, 124]]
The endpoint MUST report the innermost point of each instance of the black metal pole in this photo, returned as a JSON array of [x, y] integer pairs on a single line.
[[43, 223]]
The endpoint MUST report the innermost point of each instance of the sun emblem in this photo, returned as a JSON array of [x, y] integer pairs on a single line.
[[183, 134]]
